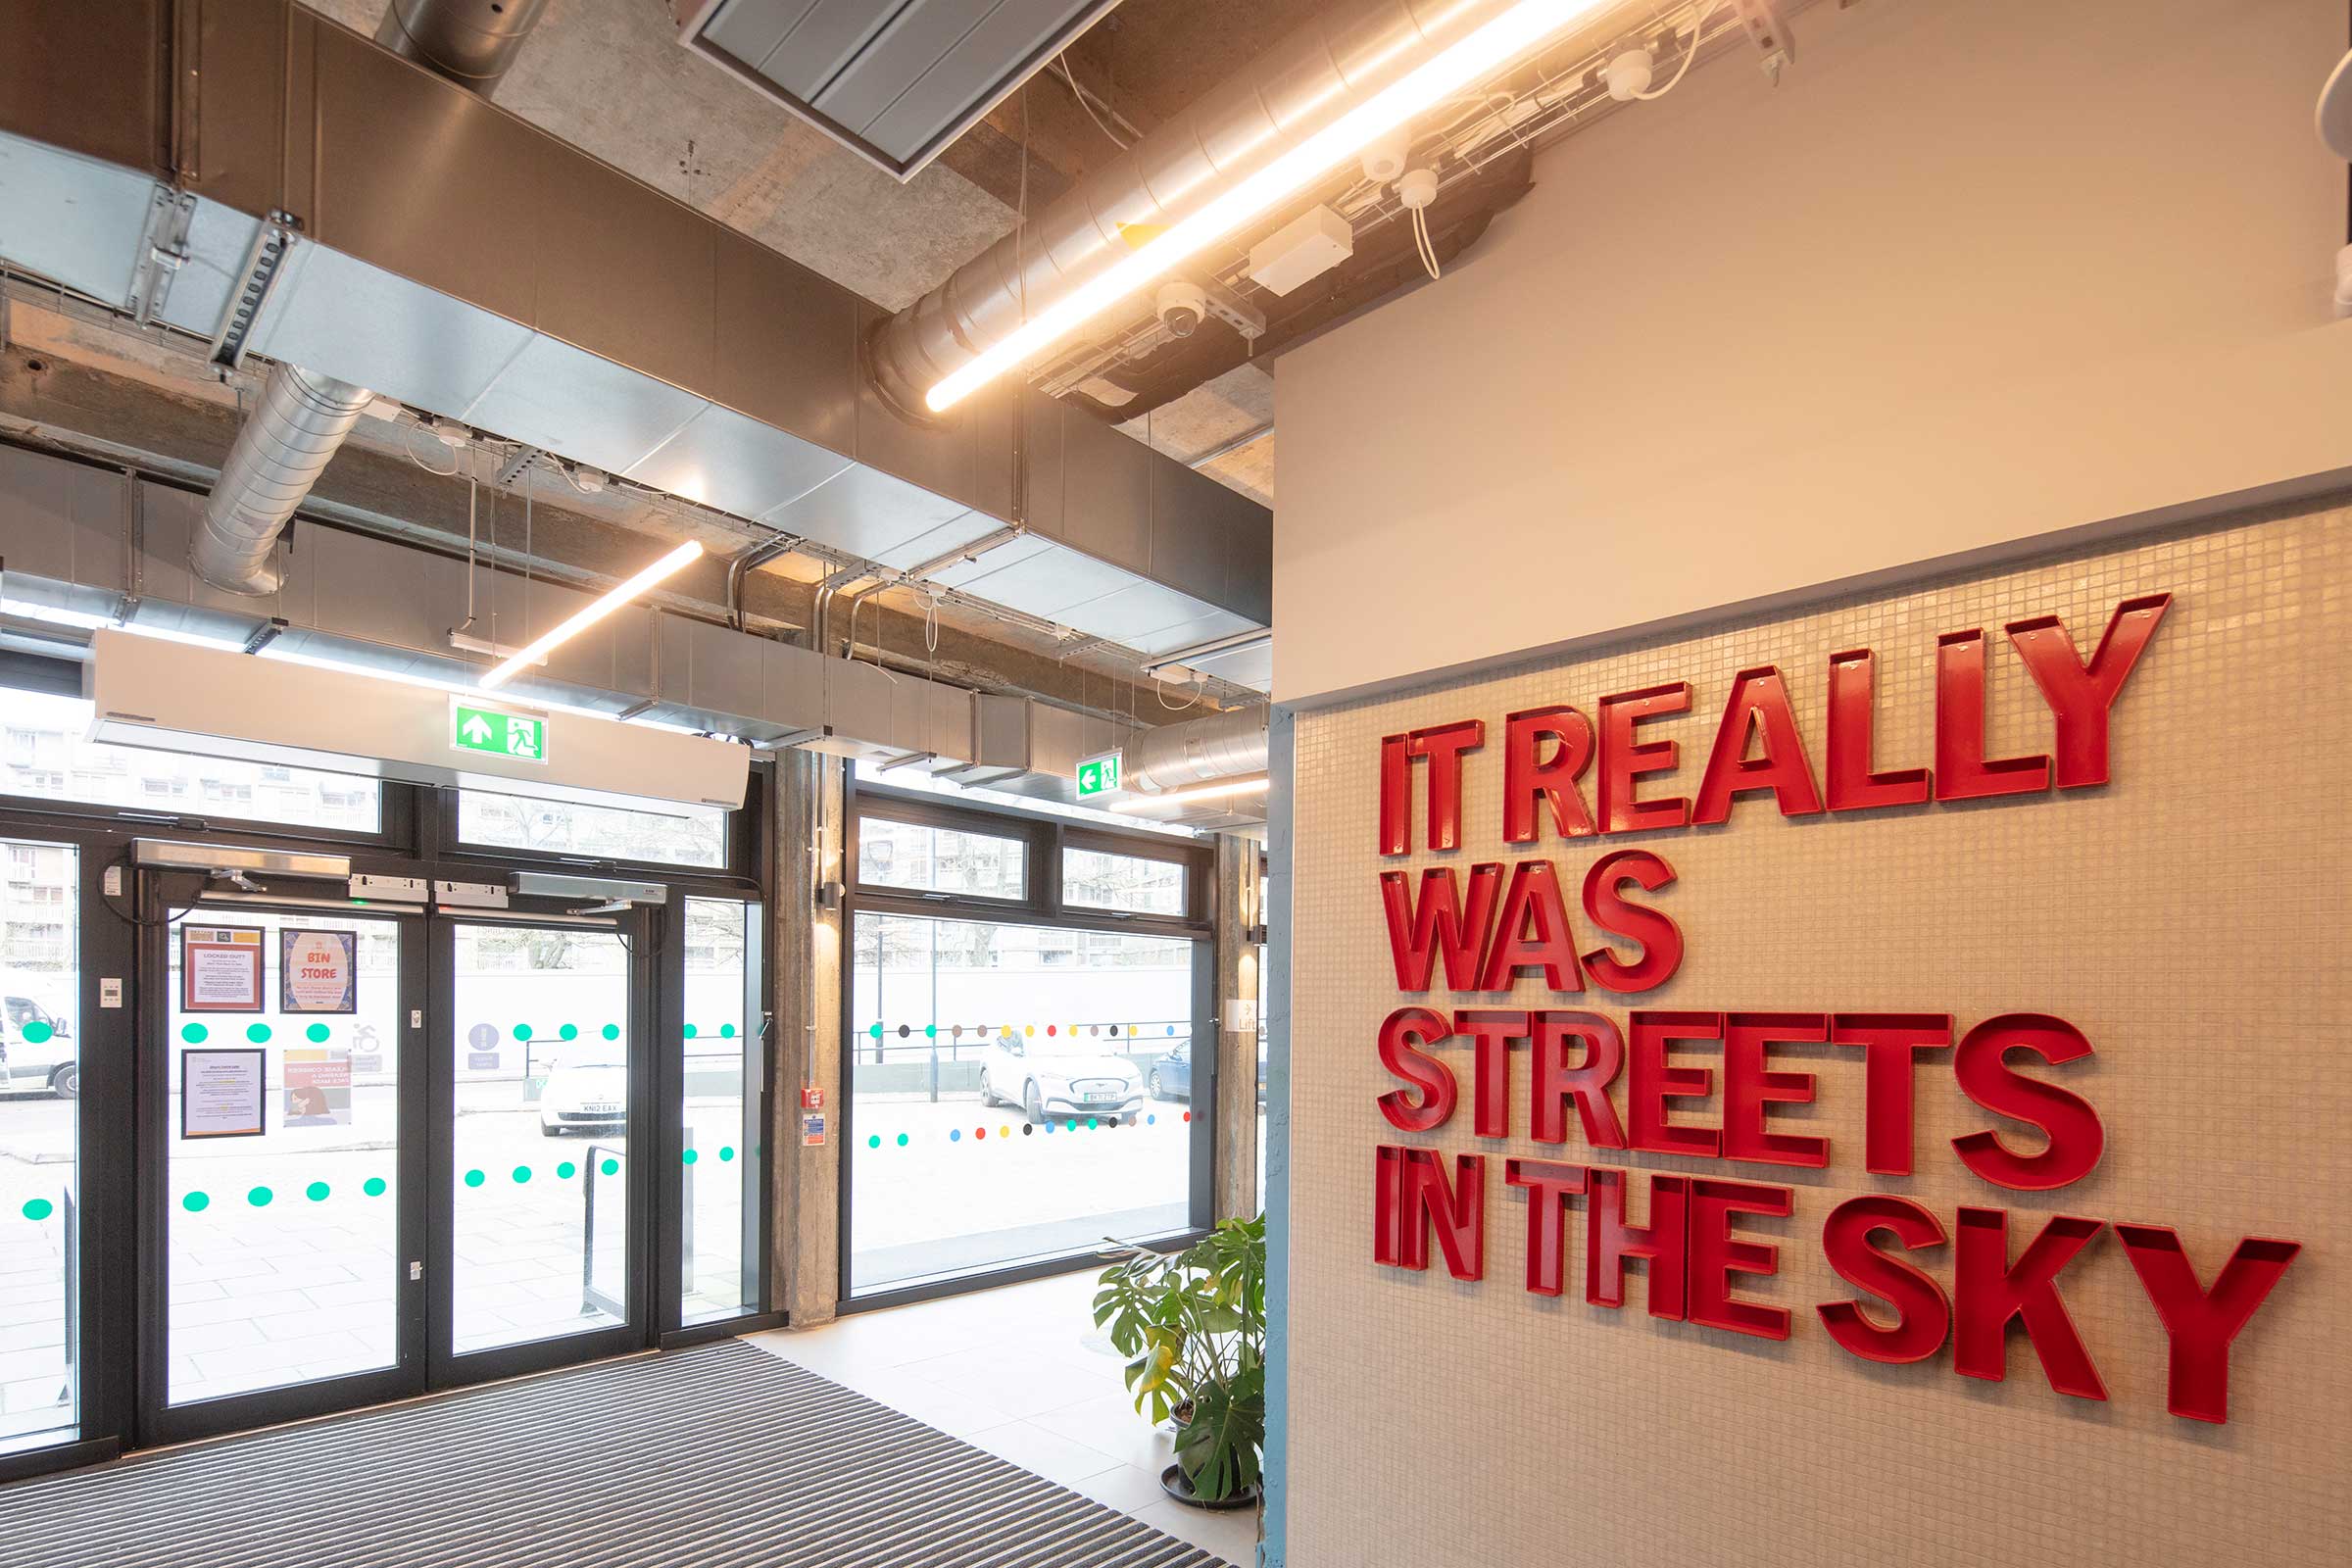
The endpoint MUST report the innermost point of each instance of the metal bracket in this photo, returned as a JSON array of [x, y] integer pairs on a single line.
[[1234, 311], [1769, 31], [264, 259], [163, 252], [512, 469]]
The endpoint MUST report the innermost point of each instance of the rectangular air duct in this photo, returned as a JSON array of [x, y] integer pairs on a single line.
[[176, 698]]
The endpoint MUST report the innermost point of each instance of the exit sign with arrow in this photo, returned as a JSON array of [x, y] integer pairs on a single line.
[[495, 732], [1099, 775]]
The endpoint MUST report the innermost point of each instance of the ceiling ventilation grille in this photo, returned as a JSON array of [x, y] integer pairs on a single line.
[[893, 80]]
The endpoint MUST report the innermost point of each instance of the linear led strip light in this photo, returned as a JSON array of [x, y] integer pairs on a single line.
[[1475, 57], [1198, 791], [621, 595]]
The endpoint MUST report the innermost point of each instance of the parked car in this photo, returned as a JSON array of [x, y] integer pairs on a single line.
[[36, 1050], [587, 1091], [1058, 1075], [1171, 1076]]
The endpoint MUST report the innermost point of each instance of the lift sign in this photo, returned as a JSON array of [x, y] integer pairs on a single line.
[[499, 734], [1099, 775]]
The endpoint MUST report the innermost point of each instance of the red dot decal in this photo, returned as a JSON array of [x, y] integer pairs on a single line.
[[1188, 1115], [979, 1132], [1048, 1028]]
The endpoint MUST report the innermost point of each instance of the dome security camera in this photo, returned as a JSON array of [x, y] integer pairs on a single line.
[[1181, 307]]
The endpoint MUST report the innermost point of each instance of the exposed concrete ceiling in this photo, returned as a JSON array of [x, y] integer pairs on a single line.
[[610, 78]]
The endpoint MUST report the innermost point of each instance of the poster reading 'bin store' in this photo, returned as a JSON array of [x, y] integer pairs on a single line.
[[318, 971]]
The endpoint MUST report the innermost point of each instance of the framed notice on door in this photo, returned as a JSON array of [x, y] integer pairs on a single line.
[[318, 971], [220, 1092], [221, 968]]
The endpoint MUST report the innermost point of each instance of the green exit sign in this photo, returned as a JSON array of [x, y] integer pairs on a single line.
[[1099, 775], [495, 732]]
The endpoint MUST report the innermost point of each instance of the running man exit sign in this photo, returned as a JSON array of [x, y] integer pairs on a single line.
[[1099, 775], [476, 728]]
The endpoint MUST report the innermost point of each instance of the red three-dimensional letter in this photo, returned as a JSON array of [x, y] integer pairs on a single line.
[[1529, 780], [1989, 1290], [1854, 783], [1549, 1187], [1962, 772], [1923, 1313], [1609, 1241], [2201, 1322], [2081, 696]]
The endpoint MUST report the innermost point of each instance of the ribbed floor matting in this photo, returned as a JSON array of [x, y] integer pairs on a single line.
[[717, 1455]]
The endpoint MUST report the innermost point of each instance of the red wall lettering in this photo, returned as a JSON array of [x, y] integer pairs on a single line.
[[1440, 923], [1751, 1089], [1854, 784], [1962, 772], [1454, 1211], [1395, 795], [1650, 1083], [1443, 746], [1549, 1187], [1532, 933], [1530, 780], [1609, 1241], [1758, 708], [1923, 1313], [1653, 931], [1891, 1041], [1987, 1290], [1491, 1033], [1401, 1034], [2081, 696], [2076, 1137], [2202, 1323], [1623, 761], [1552, 1083], [1716, 1255]]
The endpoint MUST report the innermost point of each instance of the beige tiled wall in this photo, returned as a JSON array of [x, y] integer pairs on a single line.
[[2190, 919]]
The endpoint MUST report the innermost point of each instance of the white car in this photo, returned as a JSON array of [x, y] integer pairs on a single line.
[[35, 1051], [1058, 1075], [588, 1090]]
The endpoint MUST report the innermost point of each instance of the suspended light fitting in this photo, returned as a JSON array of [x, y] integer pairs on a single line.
[[1198, 791], [621, 595], [1471, 59]]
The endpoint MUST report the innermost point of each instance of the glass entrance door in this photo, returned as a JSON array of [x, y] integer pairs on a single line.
[[291, 1216], [544, 1091]]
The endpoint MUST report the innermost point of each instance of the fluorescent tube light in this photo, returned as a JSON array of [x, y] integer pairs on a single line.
[[619, 595], [1198, 791], [1467, 61]]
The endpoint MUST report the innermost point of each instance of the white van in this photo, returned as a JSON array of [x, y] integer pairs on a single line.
[[36, 1050]]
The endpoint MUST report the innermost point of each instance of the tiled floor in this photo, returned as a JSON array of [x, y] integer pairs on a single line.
[[1022, 1372]]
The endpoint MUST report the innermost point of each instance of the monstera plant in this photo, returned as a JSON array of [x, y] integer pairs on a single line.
[[1194, 1327]]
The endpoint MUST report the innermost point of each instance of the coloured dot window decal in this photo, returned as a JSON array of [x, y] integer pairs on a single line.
[[196, 1203], [691, 1156], [522, 1174], [726, 1151], [316, 1192], [316, 1034], [257, 1032], [726, 1031], [373, 1187], [570, 1031], [37, 1032], [261, 1197], [612, 1031], [566, 1172], [522, 1031], [610, 1167], [193, 1033], [36, 1208], [474, 1178]]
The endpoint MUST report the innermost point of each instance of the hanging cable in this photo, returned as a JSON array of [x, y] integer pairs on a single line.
[[1698, 26], [1061, 63]]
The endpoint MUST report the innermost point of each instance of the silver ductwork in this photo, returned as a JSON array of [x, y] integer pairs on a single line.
[[1202, 750], [293, 432], [471, 42], [1295, 89]]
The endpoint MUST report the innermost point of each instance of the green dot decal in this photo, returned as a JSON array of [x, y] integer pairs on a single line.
[[315, 1034], [690, 1031], [610, 1167], [522, 1031], [37, 1032], [36, 1207], [261, 1198], [901, 1139], [726, 1151], [566, 1172], [196, 1203], [1073, 1124], [930, 1031], [612, 1031], [691, 1156], [316, 1192], [373, 1187], [1092, 1124], [257, 1032], [876, 1031], [874, 1141], [726, 1031], [474, 1178], [522, 1174], [193, 1033], [570, 1031]]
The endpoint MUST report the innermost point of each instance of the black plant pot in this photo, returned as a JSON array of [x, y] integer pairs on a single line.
[[1176, 1484]]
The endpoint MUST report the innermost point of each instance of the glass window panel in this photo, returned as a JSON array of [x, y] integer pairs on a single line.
[[42, 754], [40, 997], [719, 1250], [1018, 1092], [284, 1246], [937, 860], [1093, 879], [692, 836]]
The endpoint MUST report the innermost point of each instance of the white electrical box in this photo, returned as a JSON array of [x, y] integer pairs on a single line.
[[1302, 248]]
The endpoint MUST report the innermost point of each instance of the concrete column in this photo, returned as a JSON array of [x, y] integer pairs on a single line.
[[1237, 1029], [808, 964]]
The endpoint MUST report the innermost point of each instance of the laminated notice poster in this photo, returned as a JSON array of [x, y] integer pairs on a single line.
[[219, 968], [221, 1094], [318, 1088], [318, 971]]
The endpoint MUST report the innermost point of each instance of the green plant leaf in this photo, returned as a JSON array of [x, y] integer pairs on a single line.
[[1219, 1446]]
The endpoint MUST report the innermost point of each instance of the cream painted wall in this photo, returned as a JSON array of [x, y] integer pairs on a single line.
[[1973, 272]]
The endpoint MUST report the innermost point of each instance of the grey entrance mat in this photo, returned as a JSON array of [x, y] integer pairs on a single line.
[[701, 1459]]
